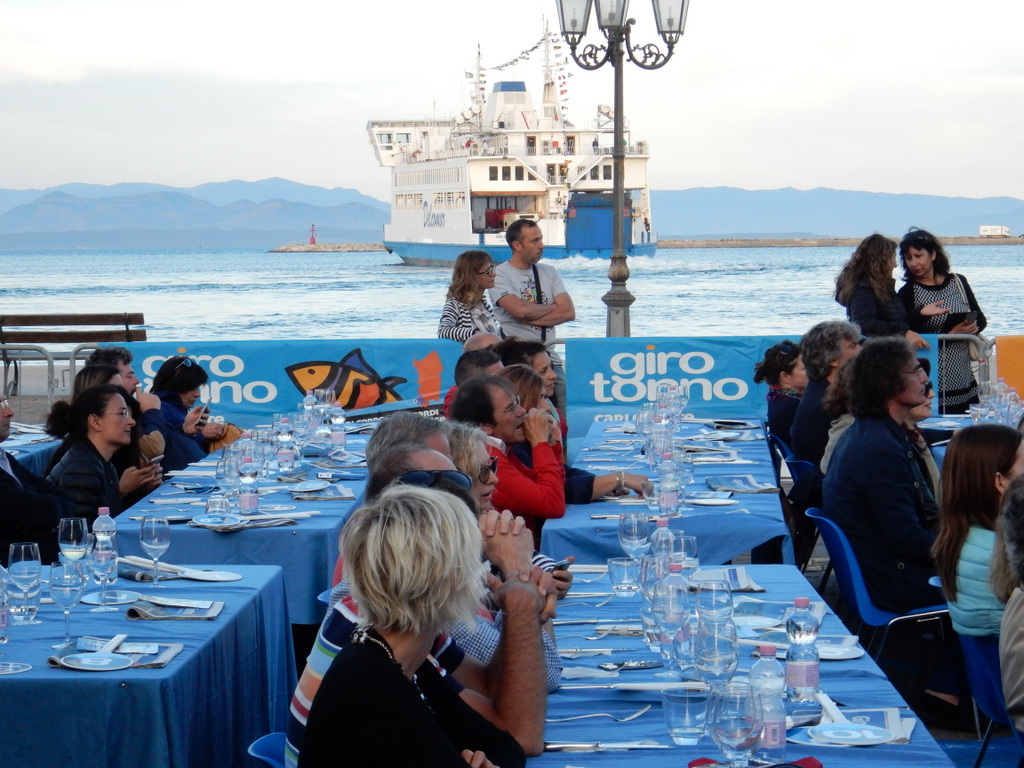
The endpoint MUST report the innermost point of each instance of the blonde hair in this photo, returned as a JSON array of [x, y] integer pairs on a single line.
[[465, 284], [413, 560], [463, 439]]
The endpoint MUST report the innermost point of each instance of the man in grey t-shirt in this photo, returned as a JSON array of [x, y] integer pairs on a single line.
[[525, 309]]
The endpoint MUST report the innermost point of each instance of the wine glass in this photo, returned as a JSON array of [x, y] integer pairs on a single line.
[[634, 532], [686, 546], [716, 652], [653, 568], [735, 722], [72, 537], [24, 567], [155, 537], [102, 562], [671, 608], [714, 600], [67, 582]]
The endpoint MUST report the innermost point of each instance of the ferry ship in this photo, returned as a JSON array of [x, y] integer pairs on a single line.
[[456, 184]]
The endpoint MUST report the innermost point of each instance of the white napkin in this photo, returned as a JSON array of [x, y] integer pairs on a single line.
[[581, 673]]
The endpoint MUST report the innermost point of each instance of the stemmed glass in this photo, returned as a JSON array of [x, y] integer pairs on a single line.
[[67, 582], [716, 652], [634, 532], [103, 564], [671, 608], [155, 537], [735, 722], [689, 555], [73, 537], [714, 600], [24, 569]]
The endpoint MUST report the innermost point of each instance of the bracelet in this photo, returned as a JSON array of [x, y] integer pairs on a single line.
[[621, 477]]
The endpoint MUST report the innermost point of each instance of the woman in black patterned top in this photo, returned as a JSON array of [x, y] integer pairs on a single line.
[[466, 308], [931, 283]]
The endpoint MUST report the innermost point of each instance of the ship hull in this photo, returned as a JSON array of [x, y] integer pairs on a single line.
[[444, 255]]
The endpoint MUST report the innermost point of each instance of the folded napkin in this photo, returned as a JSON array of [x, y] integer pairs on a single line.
[[735, 577], [581, 673]]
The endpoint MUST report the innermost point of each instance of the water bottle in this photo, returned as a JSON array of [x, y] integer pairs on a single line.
[[662, 538], [104, 527], [668, 488], [5, 613], [802, 662], [768, 681], [309, 401], [285, 446], [248, 492], [338, 435]]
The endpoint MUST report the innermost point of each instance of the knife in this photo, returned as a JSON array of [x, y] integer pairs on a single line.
[[598, 746]]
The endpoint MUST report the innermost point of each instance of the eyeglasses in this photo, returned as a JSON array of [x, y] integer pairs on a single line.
[[485, 471], [517, 403], [124, 413], [488, 271], [187, 362], [428, 478]]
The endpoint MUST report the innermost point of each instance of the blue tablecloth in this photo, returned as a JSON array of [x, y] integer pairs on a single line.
[[722, 532], [307, 551], [33, 456], [854, 683], [230, 684]]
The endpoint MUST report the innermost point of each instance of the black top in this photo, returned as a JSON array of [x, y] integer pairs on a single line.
[[877, 318], [811, 424], [89, 479], [30, 510], [368, 714]]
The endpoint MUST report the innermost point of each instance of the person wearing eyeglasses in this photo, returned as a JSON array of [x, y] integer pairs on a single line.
[[97, 424], [189, 433], [467, 310], [32, 506]]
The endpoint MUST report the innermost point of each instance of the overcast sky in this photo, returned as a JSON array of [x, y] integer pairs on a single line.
[[918, 96]]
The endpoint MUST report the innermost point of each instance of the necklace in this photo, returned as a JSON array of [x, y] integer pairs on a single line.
[[362, 634]]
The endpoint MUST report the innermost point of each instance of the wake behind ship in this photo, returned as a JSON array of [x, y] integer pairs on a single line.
[[456, 184]]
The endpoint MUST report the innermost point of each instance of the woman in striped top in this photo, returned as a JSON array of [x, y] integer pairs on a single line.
[[467, 310]]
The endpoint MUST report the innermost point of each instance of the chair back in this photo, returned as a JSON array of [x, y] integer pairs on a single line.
[[778, 444], [848, 573], [269, 749], [981, 658], [797, 467]]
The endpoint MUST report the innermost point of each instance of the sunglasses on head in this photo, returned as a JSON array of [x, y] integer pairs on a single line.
[[187, 362], [428, 478]]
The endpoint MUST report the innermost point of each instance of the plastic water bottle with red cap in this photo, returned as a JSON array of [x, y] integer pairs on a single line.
[[802, 661], [104, 527], [662, 539], [768, 681]]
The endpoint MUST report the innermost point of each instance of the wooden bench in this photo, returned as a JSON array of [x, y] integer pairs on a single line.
[[24, 333]]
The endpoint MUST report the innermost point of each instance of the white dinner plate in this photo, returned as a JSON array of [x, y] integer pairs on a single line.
[[309, 486], [96, 662], [942, 424], [276, 507], [839, 653], [711, 502], [192, 575], [114, 597], [216, 519], [755, 622], [13, 667]]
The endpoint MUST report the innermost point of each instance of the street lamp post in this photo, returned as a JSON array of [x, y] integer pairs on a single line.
[[573, 17]]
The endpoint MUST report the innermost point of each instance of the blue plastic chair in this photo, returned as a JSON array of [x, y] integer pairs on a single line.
[[981, 658], [854, 590], [269, 749]]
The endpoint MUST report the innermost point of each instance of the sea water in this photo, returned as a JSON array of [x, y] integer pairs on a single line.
[[241, 293]]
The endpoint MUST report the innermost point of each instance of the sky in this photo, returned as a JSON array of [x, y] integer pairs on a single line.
[[903, 96]]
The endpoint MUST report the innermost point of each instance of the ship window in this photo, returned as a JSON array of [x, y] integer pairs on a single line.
[[594, 173], [384, 138], [506, 173], [551, 173], [519, 173], [607, 171], [402, 138], [493, 172]]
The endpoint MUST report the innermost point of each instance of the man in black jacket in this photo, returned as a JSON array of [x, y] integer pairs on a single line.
[[30, 507]]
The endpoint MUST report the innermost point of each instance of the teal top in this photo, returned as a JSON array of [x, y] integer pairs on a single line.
[[976, 610]]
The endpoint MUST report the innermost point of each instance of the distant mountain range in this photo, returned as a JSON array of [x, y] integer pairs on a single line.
[[273, 212]]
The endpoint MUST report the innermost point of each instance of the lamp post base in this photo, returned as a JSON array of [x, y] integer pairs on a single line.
[[618, 301]]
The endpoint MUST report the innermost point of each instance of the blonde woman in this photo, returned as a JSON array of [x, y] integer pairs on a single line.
[[467, 310]]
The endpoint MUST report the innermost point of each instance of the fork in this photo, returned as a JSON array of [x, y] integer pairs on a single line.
[[600, 714], [576, 579], [584, 602]]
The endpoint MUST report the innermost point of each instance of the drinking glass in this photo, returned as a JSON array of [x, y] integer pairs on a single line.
[[73, 537], [102, 562], [686, 712], [24, 605], [218, 504], [686, 546], [155, 537], [653, 568], [716, 652], [735, 722], [671, 609], [624, 574], [67, 582], [649, 488], [24, 567], [634, 532], [685, 478], [714, 600]]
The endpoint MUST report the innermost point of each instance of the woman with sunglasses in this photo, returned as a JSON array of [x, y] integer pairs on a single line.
[[937, 300], [467, 310], [783, 370], [97, 424], [189, 434]]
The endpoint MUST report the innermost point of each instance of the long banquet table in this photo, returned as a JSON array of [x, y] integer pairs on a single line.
[[229, 685], [307, 550], [723, 532], [856, 683]]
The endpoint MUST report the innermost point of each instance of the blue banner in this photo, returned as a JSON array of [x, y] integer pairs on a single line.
[[251, 380]]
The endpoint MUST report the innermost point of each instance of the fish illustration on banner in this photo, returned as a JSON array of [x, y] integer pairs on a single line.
[[357, 384]]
